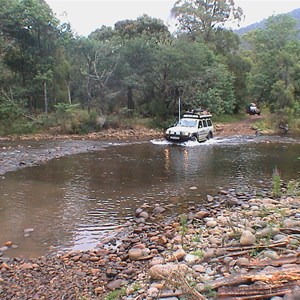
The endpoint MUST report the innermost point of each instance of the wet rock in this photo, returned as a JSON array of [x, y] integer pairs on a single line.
[[177, 255], [209, 253], [84, 258], [280, 237], [199, 268], [163, 271], [138, 211], [3, 249], [242, 261], [211, 223], [247, 238], [137, 253], [116, 284], [157, 261], [223, 192], [268, 254], [144, 215], [210, 198], [201, 214], [153, 292], [191, 259], [8, 244], [158, 210]]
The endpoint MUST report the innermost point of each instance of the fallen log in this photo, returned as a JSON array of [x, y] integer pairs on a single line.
[[266, 246], [280, 275], [257, 291], [277, 262]]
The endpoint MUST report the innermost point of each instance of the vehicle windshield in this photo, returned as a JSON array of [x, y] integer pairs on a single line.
[[187, 123]]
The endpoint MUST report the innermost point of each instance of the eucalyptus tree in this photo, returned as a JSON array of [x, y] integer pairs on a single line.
[[226, 45], [141, 43], [275, 75], [101, 59], [202, 17], [32, 32]]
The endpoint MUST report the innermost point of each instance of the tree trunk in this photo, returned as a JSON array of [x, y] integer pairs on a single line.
[[69, 93], [45, 97], [130, 102]]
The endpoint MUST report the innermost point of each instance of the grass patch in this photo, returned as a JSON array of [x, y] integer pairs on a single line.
[[229, 118], [116, 294]]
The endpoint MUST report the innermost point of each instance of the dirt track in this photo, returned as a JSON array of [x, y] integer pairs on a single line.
[[242, 127]]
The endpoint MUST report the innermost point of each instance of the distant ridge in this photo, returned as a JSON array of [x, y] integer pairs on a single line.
[[295, 14]]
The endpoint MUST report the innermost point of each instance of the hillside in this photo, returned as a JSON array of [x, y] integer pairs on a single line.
[[295, 14]]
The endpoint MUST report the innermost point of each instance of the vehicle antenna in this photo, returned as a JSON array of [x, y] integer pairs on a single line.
[[179, 109]]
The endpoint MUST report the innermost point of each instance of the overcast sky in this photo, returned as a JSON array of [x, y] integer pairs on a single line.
[[87, 15]]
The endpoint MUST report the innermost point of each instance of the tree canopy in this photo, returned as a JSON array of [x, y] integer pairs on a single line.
[[139, 66]]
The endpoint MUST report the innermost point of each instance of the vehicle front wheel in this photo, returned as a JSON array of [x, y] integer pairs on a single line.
[[209, 136]]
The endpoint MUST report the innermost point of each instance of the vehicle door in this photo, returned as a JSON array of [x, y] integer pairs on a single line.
[[201, 130]]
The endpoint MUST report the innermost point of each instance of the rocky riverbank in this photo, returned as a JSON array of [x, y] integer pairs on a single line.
[[237, 245]]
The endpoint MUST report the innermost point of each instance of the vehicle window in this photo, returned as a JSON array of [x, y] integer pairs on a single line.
[[188, 123], [204, 123], [200, 124], [209, 123]]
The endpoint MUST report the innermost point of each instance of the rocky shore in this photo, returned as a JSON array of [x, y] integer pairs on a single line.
[[237, 245]]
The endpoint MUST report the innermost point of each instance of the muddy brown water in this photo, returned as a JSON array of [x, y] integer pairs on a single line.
[[74, 201]]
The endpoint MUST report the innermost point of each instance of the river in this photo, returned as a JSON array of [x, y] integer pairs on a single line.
[[73, 202]]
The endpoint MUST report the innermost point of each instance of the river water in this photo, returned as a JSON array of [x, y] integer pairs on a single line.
[[75, 201]]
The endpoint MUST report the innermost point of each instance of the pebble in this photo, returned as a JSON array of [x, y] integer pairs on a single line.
[[247, 238], [154, 250]]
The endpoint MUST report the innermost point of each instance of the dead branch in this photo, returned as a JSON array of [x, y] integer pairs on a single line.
[[274, 276], [177, 279], [279, 244], [257, 291], [290, 230], [275, 262]]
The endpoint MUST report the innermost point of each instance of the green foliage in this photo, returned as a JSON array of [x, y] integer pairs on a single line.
[[138, 64], [199, 253], [196, 16], [276, 184], [293, 188], [228, 118], [274, 78], [116, 294], [183, 227], [70, 119]]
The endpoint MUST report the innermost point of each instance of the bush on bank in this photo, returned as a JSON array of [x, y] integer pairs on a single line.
[[72, 119]]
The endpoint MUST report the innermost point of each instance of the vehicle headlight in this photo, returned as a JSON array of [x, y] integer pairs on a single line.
[[184, 133]]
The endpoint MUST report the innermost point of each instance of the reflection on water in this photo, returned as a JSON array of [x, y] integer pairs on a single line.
[[73, 201]]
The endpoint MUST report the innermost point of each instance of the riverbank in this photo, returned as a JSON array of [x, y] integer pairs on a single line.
[[29, 150], [242, 127], [236, 245]]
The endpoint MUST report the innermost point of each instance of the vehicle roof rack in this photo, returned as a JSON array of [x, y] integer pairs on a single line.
[[197, 113]]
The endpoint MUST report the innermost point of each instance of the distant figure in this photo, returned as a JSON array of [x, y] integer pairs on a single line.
[[284, 127]]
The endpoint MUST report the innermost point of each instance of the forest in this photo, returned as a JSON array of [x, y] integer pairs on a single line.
[[52, 78]]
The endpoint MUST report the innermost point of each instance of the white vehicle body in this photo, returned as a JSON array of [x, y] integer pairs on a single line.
[[192, 126]]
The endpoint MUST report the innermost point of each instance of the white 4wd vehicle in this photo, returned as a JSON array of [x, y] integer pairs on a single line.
[[194, 126]]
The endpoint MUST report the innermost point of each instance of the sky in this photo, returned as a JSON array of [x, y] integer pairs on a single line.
[[87, 15]]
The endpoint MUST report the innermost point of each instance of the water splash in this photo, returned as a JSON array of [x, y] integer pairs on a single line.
[[214, 141]]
